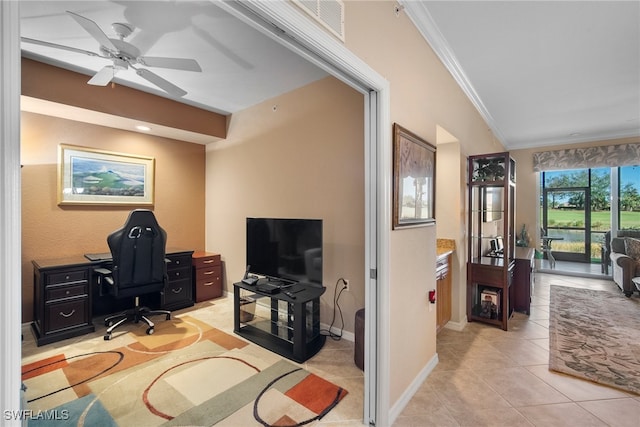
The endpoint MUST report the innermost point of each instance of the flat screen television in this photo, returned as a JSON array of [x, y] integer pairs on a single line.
[[285, 249]]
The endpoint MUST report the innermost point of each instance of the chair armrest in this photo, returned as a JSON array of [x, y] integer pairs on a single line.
[[622, 260], [106, 274]]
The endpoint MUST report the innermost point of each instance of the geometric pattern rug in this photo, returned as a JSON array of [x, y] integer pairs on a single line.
[[186, 373], [595, 335]]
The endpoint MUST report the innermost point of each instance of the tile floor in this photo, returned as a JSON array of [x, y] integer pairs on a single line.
[[489, 377], [485, 376]]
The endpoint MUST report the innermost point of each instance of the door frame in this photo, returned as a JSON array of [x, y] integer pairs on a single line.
[[570, 256], [288, 25]]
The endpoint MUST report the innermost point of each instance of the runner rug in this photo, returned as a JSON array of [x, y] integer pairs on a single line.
[[595, 335], [187, 373]]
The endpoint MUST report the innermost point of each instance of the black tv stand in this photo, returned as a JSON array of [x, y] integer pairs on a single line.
[[286, 325]]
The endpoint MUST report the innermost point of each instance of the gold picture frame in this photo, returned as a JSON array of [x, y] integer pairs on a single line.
[[88, 176], [414, 171]]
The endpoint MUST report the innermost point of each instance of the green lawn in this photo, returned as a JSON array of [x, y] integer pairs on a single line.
[[600, 221]]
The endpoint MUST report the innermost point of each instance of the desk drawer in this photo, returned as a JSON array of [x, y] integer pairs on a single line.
[[61, 292], [209, 274], [67, 277], [179, 261], [206, 261], [66, 314], [178, 292], [179, 274]]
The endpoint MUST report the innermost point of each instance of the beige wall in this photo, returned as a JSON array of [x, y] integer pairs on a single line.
[[528, 185], [50, 231], [424, 97], [299, 155]]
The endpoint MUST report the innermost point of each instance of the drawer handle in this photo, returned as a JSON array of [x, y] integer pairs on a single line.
[[176, 291], [177, 273], [67, 277], [207, 284], [208, 261], [68, 315], [208, 272]]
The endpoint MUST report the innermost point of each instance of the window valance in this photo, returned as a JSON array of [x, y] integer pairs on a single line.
[[590, 157]]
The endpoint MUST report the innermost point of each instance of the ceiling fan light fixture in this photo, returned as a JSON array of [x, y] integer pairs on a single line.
[[122, 30]]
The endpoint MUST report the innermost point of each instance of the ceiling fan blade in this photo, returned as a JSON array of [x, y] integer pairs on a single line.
[[94, 30], [58, 46], [173, 63], [103, 77], [163, 84]]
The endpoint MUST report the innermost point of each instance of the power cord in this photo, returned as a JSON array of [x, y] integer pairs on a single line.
[[336, 298]]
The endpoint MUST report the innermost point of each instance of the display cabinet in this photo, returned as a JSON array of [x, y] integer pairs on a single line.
[[490, 267]]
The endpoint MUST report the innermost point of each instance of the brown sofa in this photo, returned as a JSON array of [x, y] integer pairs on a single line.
[[623, 266]]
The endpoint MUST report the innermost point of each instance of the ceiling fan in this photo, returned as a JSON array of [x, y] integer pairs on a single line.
[[124, 55]]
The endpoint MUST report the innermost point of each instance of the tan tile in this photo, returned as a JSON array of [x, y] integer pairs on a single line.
[[521, 388], [522, 352], [438, 417], [498, 417], [615, 412], [541, 342], [463, 388], [560, 415], [575, 388]]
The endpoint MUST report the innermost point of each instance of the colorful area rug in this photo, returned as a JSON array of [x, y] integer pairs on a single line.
[[187, 373], [595, 335]]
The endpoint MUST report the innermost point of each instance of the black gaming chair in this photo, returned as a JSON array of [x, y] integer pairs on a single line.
[[139, 267]]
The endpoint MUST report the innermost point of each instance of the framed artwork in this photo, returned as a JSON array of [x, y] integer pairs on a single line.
[[414, 167], [88, 176]]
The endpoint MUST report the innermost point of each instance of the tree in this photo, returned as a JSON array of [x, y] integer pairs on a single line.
[[629, 198]]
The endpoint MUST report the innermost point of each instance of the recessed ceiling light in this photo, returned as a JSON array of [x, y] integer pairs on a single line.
[[143, 128], [575, 134]]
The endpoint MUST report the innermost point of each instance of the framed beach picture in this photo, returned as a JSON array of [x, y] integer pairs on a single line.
[[414, 168], [87, 176]]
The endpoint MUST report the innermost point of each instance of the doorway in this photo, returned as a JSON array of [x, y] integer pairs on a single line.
[[565, 218], [303, 37]]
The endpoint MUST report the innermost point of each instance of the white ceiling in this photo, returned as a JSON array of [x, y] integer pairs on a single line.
[[540, 72], [241, 67]]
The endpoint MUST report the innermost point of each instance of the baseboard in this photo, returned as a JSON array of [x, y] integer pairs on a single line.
[[456, 326], [346, 335], [410, 391]]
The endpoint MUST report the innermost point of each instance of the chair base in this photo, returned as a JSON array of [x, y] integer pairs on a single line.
[[134, 315]]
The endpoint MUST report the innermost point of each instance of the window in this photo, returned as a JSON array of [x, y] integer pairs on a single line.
[[629, 197], [577, 206]]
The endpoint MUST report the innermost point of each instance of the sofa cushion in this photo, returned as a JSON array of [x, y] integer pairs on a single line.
[[632, 247], [617, 245]]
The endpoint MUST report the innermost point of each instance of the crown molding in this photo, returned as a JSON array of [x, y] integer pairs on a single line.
[[418, 13]]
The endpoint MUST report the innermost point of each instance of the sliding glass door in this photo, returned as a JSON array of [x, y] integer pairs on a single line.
[[576, 210]]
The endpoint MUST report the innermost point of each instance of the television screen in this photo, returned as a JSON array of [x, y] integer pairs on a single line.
[[288, 249]]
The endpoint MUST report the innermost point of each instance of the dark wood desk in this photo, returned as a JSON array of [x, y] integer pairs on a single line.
[[287, 326], [66, 294]]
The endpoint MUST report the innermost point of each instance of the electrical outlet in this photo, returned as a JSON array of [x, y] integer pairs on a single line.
[[346, 284]]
